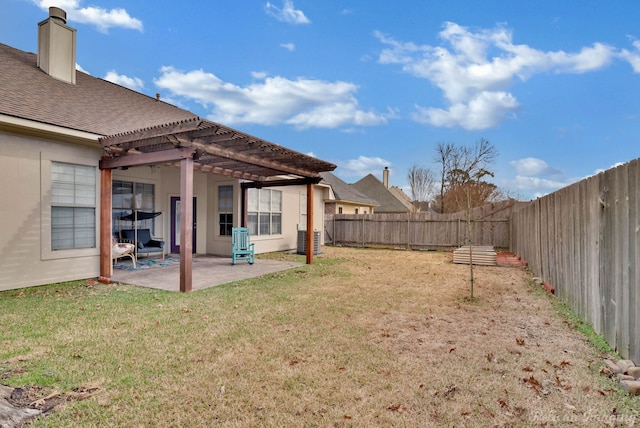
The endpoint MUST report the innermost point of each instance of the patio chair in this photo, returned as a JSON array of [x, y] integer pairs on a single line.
[[122, 249], [241, 246]]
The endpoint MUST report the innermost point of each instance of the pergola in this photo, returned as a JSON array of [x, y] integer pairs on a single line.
[[201, 145]]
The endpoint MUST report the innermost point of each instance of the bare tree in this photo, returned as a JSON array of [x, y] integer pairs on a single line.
[[462, 167], [444, 152], [421, 181]]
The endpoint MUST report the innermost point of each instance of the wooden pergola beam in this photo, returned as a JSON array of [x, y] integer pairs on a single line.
[[280, 183], [158, 131], [248, 159], [140, 159], [221, 171]]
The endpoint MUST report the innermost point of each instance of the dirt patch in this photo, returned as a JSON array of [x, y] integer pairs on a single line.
[[20, 405]]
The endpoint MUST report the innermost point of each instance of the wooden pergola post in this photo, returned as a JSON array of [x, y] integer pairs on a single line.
[[186, 224], [105, 226], [310, 242], [243, 207]]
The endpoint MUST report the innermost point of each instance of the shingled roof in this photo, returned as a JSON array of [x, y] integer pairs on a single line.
[[345, 192], [129, 122], [389, 201], [91, 105]]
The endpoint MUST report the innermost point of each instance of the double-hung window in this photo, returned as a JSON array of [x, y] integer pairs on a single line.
[[225, 209], [264, 213], [73, 206]]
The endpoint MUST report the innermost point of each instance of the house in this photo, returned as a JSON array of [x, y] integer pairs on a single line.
[[77, 153], [392, 200], [343, 198]]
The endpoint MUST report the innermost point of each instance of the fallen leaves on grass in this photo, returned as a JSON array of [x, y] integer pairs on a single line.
[[534, 384]]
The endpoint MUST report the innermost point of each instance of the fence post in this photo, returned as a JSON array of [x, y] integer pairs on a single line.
[[335, 240]]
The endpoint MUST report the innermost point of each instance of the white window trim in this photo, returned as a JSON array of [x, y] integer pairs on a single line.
[[46, 253]]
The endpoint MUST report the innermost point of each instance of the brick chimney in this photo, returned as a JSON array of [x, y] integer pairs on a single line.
[[385, 177], [57, 46]]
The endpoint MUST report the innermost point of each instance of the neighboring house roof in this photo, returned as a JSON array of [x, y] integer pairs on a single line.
[[401, 196], [425, 207], [91, 105], [389, 201], [344, 192]]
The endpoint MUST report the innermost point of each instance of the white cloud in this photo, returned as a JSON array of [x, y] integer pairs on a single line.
[[539, 184], [482, 112], [615, 165], [633, 57], [259, 75], [133, 83], [79, 68], [289, 46], [288, 13], [268, 100], [101, 18], [474, 71], [363, 166], [530, 167], [534, 176], [537, 177]]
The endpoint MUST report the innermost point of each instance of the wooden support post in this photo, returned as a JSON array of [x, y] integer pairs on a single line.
[[186, 224], [105, 226], [310, 233], [243, 207]]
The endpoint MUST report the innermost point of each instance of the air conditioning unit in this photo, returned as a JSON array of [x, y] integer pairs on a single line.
[[302, 242]]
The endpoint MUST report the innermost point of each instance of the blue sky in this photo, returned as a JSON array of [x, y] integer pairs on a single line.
[[554, 85]]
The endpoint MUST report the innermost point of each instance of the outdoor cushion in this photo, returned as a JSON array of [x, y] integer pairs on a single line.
[[145, 244]]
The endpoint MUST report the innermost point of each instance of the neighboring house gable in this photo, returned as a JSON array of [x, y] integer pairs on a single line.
[[346, 199], [390, 200]]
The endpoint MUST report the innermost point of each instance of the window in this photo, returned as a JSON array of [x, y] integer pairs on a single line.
[[73, 206], [127, 196], [225, 209], [264, 211]]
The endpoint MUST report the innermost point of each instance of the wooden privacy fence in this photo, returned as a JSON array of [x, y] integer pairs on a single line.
[[585, 240], [412, 231]]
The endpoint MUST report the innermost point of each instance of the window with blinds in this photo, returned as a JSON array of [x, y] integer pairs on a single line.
[[264, 211], [73, 206]]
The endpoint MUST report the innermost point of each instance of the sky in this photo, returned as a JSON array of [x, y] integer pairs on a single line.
[[364, 84]]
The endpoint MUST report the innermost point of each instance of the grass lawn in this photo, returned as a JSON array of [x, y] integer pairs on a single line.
[[359, 338]]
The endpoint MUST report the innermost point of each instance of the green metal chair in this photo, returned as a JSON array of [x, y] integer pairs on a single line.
[[241, 246]]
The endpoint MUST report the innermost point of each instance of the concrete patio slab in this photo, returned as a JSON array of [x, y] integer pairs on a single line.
[[208, 271]]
